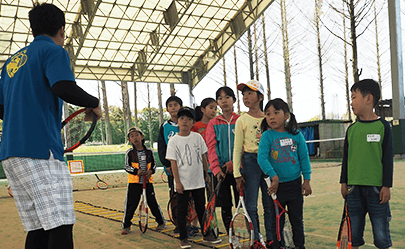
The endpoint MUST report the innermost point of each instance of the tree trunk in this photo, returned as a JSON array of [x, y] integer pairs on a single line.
[[172, 90], [252, 74], [224, 69], [286, 54], [101, 123], [108, 138], [149, 119], [159, 93], [256, 52], [377, 45], [125, 104], [349, 112], [266, 59], [353, 38], [236, 77], [135, 106], [319, 49]]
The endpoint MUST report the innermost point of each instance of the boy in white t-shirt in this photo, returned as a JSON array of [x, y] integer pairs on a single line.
[[187, 153]]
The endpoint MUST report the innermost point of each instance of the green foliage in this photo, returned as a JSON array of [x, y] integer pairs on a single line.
[[143, 123]]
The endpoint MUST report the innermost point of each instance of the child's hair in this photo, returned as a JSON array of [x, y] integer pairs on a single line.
[[136, 129], [204, 103], [368, 86], [174, 98], [246, 88], [227, 90], [46, 19], [279, 104]]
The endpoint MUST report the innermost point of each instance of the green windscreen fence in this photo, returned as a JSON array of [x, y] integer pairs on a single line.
[[97, 162]]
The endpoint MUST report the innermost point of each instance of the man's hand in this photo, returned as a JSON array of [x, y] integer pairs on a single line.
[[385, 195], [89, 116]]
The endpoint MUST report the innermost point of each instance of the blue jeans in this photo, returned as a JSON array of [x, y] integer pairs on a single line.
[[254, 179], [366, 199]]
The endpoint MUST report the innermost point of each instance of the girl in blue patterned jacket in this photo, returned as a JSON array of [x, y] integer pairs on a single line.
[[283, 155]]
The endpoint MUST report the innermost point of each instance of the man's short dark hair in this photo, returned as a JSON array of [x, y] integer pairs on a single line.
[[46, 19], [368, 86], [174, 98]]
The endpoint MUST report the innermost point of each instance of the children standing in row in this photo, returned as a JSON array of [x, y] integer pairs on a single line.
[[139, 161], [187, 154], [245, 166], [283, 155], [220, 135], [367, 167]]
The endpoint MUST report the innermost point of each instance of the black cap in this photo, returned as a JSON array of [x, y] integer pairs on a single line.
[[186, 111]]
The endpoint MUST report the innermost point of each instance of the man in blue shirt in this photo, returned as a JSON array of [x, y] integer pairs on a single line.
[[33, 84]]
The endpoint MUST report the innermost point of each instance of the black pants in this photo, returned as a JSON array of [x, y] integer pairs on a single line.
[[182, 208], [57, 238], [290, 194], [224, 198], [134, 193]]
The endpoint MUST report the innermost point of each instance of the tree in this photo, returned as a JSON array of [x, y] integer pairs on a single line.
[[106, 115], [286, 53], [149, 123]]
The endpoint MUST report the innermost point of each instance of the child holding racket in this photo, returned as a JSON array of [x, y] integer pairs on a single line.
[[220, 136], [139, 161], [247, 138], [187, 152], [367, 167], [283, 156]]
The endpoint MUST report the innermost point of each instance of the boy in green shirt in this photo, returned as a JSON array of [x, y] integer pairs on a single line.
[[367, 167]]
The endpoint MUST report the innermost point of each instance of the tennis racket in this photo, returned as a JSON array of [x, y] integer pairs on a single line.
[[283, 224], [9, 191], [101, 184], [210, 221], [75, 129], [344, 240], [143, 209], [172, 210], [163, 175], [241, 233]]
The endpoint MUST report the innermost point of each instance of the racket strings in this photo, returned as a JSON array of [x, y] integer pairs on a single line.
[[241, 233]]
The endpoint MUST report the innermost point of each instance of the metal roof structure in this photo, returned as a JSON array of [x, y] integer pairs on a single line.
[[167, 41]]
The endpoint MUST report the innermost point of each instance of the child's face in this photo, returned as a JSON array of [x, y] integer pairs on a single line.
[[185, 123], [276, 118], [135, 138], [173, 107], [225, 102], [210, 111], [251, 98], [359, 102]]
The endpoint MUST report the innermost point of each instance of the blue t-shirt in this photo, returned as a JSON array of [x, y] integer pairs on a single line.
[[285, 155], [32, 113]]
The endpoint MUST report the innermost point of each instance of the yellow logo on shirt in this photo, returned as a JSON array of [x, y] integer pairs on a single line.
[[274, 154], [17, 61]]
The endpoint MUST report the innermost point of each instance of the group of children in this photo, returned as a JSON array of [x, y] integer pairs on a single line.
[[262, 142]]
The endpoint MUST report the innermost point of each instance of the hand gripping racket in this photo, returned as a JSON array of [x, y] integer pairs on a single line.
[[143, 209], [344, 240], [210, 221], [241, 233], [75, 129], [172, 210], [101, 184], [283, 225]]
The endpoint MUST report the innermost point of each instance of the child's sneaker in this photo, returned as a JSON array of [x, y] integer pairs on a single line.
[[211, 238], [185, 243], [161, 227], [195, 229], [126, 230], [258, 245]]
